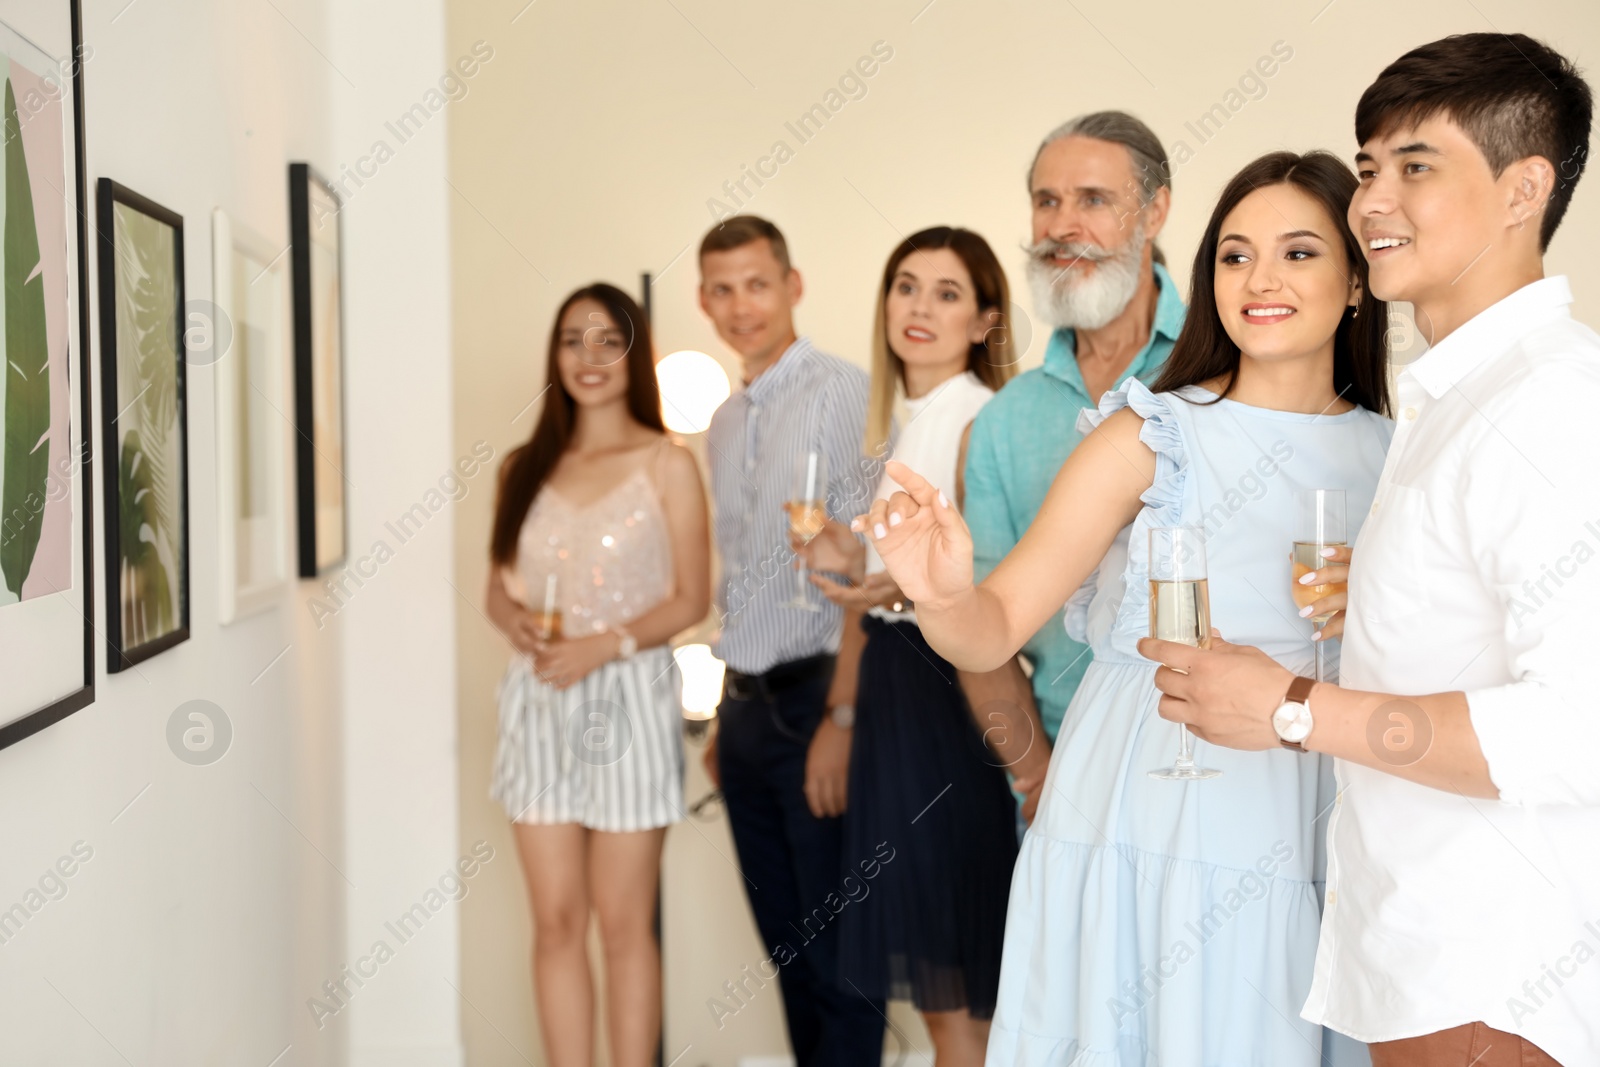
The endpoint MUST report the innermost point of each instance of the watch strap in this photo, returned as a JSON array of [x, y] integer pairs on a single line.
[[1300, 690]]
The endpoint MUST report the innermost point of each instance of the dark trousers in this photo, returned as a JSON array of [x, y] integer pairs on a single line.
[[791, 864]]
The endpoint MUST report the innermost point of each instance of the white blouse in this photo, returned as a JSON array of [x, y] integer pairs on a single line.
[[930, 443]]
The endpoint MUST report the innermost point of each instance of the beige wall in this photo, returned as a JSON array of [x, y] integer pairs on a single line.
[[590, 147]]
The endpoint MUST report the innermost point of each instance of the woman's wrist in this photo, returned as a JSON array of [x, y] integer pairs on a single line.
[[948, 605], [625, 644]]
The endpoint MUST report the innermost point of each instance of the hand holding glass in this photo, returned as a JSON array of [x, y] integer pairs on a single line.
[[1319, 523]]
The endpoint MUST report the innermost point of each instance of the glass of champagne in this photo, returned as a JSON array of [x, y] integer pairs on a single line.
[[1180, 610], [1319, 523], [549, 613], [808, 513]]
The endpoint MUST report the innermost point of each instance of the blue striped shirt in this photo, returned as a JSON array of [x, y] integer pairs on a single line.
[[806, 400]]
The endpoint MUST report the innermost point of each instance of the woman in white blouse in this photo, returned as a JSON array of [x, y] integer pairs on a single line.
[[922, 781]]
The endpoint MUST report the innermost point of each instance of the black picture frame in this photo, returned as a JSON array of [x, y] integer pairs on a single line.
[[83, 496], [312, 451], [119, 655]]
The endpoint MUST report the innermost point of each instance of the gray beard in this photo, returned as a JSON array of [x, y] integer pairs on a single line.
[[1066, 302]]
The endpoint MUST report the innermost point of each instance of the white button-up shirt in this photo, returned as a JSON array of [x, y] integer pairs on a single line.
[[1479, 570]]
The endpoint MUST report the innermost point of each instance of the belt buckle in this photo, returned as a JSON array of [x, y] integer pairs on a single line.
[[735, 686]]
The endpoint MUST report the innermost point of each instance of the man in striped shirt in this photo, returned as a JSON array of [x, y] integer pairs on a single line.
[[780, 755]]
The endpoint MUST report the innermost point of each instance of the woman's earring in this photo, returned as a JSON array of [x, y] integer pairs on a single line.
[[1357, 313]]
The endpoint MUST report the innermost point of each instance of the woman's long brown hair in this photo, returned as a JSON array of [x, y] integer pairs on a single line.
[[992, 359], [527, 466], [1204, 350]]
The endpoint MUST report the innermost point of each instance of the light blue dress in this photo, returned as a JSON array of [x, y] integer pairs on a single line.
[[1174, 924]]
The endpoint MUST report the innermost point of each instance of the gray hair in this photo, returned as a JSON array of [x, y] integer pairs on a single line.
[[1144, 150]]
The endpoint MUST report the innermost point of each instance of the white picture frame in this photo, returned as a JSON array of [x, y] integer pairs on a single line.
[[251, 290]]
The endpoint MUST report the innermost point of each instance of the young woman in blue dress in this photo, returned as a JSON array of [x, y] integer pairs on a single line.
[[1156, 921]]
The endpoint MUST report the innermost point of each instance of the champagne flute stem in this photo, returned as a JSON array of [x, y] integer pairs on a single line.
[[801, 582], [1184, 755]]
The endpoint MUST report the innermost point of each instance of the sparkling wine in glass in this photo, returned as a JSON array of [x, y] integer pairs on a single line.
[[1319, 523], [549, 613], [1180, 610], [808, 513]]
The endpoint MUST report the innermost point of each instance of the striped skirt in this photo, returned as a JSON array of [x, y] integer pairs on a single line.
[[606, 753]]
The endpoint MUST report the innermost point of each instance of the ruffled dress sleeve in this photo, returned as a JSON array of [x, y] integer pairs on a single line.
[[1111, 616]]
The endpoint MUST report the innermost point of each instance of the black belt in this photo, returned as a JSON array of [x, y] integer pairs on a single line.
[[774, 680]]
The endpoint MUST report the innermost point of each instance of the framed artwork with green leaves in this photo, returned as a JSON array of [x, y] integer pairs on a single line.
[[46, 503], [145, 415]]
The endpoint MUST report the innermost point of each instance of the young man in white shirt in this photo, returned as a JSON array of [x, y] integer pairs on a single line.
[[1462, 915]]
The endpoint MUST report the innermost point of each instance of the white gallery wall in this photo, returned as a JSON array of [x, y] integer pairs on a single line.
[[218, 900], [604, 138]]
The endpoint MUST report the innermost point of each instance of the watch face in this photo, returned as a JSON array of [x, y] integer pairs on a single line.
[[1292, 721]]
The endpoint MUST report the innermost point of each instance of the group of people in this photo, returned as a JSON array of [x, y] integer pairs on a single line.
[[1399, 867]]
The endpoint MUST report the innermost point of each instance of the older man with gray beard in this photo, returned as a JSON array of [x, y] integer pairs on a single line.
[[1101, 187]]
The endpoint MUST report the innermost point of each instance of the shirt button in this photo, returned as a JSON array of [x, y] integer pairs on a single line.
[[1374, 507], [1411, 413], [1333, 897]]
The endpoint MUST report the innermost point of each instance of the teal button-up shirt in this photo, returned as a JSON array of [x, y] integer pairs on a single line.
[[1019, 441]]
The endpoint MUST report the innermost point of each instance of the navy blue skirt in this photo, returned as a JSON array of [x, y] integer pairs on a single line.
[[924, 785]]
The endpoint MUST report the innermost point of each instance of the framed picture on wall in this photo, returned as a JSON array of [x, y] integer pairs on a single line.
[[144, 413], [46, 505], [318, 370], [250, 340]]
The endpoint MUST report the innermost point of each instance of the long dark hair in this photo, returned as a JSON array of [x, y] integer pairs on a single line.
[[1204, 350], [992, 359], [527, 466]]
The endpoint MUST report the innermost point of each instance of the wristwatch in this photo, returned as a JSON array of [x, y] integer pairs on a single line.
[[1292, 720], [628, 644], [843, 715]]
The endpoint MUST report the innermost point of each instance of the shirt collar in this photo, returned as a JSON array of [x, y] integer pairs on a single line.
[[1491, 333], [1061, 354], [772, 379]]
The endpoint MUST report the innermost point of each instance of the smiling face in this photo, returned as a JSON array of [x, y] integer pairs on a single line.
[[931, 311], [750, 299], [1085, 192], [591, 353], [1282, 281], [1428, 212], [1090, 230]]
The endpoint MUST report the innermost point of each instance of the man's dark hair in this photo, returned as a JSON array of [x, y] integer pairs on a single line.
[[1513, 96], [736, 231]]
